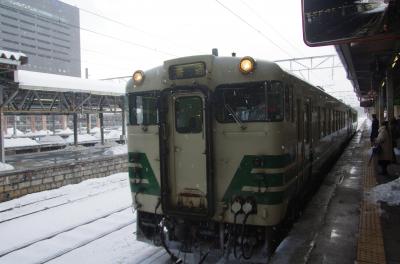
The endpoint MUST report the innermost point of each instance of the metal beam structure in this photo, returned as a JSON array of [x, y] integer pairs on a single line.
[[31, 102], [305, 65]]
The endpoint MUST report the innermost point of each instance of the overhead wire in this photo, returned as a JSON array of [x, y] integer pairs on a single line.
[[271, 27], [254, 28], [130, 27], [261, 34], [90, 31]]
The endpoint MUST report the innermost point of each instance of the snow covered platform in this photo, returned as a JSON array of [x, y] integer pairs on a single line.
[[90, 222], [349, 220]]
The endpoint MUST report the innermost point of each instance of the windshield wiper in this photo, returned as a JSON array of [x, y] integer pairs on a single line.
[[235, 117]]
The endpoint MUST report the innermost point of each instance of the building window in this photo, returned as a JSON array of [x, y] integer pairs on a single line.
[[9, 33], [8, 25], [9, 17], [11, 41], [28, 30]]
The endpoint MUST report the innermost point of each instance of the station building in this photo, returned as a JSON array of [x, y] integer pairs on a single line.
[[47, 31]]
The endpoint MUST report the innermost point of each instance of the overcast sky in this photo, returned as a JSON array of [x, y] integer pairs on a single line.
[[142, 34]]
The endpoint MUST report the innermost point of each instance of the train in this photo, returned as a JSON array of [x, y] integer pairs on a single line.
[[221, 151]]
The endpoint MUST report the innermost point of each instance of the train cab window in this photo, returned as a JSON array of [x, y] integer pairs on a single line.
[[251, 102], [143, 109], [189, 114]]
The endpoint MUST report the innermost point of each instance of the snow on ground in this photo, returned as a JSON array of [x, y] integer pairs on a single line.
[[388, 192], [117, 150], [66, 131], [10, 132], [90, 222], [51, 140], [82, 138], [38, 133], [19, 142], [5, 167], [95, 130]]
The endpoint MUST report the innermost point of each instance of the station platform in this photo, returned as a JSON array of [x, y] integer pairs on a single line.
[[341, 224], [67, 155]]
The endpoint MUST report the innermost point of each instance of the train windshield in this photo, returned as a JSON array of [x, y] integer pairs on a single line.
[[251, 102], [143, 109]]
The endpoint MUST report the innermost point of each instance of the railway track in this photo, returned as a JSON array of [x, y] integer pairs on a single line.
[[86, 242], [68, 229], [56, 205]]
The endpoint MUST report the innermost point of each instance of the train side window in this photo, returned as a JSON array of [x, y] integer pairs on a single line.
[[287, 103], [319, 123], [143, 109], [292, 104]]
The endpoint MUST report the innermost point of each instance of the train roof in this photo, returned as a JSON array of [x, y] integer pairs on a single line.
[[219, 69]]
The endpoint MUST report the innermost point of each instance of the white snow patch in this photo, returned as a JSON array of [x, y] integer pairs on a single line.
[[95, 130], [66, 131], [19, 142], [51, 140], [82, 138], [117, 150], [113, 134], [39, 133], [388, 192], [5, 167], [10, 132]]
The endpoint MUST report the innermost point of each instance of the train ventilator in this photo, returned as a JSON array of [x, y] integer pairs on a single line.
[[222, 149]]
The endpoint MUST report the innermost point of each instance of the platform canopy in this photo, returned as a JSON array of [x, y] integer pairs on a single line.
[[29, 80], [26, 92]]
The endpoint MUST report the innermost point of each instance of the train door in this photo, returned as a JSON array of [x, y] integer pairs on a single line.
[[185, 172]]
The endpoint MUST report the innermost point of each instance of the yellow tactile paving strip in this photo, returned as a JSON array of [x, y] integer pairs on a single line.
[[370, 248]]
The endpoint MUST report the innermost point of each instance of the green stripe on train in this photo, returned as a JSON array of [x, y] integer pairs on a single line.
[[145, 178], [244, 177]]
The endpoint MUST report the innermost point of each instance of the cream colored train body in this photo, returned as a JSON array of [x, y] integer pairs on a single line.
[[213, 145]]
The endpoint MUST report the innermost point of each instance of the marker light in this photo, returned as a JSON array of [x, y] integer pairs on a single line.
[[247, 65], [138, 77]]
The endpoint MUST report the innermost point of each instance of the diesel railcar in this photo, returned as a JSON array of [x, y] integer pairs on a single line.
[[221, 149]]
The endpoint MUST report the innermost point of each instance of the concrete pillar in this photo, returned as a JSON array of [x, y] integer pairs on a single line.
[[64, 121], [389, 95], [381, 105], [2, 154], [75, 115], [5, 124], [53, 124], [15, 126], [101, 127], [44, 122], [33, 123], [88, 123], [98, 122]]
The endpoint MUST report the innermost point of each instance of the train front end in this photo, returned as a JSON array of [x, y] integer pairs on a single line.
[[198, 181]]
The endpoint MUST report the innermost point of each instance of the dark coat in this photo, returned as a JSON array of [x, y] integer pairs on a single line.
[[384, 140], [374, 129]]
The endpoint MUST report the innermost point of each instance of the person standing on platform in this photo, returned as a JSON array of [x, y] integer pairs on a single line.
[[385, 154], [374, 129]]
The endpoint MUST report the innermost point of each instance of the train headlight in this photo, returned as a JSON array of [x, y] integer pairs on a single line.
[[138, 77], [247, 65]]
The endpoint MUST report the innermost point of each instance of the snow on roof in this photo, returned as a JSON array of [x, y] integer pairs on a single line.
[[29, 80], [14, 56]]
